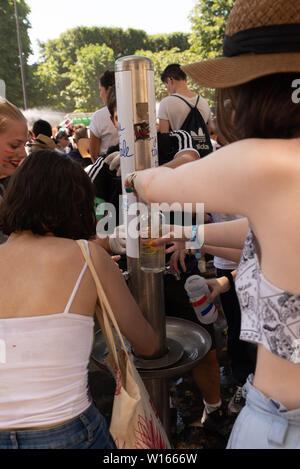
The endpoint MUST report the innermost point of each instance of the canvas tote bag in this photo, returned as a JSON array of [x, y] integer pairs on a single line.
[[135, 423]]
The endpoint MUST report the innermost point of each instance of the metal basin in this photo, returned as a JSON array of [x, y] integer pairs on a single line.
[[193, 339]]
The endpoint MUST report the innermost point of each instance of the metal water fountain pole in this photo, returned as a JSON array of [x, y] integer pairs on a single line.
[[135, 92], [182, 344]]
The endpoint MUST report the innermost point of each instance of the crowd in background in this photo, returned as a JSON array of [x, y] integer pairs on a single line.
[[52, 181]]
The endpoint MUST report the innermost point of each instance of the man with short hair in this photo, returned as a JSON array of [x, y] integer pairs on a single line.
[[172, 110]]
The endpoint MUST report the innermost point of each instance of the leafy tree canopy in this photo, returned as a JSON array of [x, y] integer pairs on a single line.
[[91, 62], [66, 75], [10, 70], [208, 20], [164, 58], [68, 68]]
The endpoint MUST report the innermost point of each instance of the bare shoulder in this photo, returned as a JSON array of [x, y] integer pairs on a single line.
[[270, 155], [100, 257]]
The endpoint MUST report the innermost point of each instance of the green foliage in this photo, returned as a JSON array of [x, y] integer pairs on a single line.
[[68, 70], [208, 26], [91, 62], [164, 58], [10, 70], [66, 77], [160, 42]]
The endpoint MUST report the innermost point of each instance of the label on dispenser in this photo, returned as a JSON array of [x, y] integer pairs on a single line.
[[126, 142], [152, 119]]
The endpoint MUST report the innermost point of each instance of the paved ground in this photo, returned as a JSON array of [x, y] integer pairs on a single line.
[[186, 401]]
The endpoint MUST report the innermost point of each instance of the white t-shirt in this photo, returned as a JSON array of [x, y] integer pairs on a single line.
[[103, 128], [176, 111]]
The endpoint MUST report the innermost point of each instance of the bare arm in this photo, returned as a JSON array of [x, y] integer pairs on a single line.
[[226, 235], [233, 255], [127, 313], [237, 170], [220, 285], [183, 157], [164, 126], [95, 144], [211, 126]]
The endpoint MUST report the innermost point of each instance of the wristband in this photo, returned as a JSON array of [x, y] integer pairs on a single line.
[[130, 183], [194, 234], [193, 239]]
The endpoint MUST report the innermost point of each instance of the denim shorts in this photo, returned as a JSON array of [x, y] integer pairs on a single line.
[[264, 423], [87, 431]]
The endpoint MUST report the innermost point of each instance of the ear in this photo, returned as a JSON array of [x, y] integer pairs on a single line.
[[113, 121]]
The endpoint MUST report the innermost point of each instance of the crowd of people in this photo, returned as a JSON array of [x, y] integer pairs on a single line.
[[52, 183]]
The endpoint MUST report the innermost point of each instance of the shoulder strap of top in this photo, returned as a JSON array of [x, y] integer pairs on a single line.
[[186, 102], [73, 294]]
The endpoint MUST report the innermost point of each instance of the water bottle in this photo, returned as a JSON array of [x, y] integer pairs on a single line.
[[199, 294], [153, 258]]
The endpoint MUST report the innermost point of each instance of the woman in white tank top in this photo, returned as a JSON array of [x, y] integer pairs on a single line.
[[47, 304]]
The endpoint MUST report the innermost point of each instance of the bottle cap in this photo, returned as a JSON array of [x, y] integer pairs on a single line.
[[193, 285]]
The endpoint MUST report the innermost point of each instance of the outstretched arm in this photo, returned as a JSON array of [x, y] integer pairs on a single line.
[[230, 235], [233, 180], [129, 317], [233, 255]]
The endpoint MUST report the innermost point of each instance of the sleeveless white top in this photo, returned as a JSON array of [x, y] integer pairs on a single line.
[[43, 367]]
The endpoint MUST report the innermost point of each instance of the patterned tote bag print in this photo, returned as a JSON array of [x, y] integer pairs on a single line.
[[135, 423]]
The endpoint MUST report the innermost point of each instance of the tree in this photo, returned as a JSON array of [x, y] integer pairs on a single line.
[[61, 71], [208, 20], [164, 58], [91, 62], [160, 42], [10, 70], [60, 57]]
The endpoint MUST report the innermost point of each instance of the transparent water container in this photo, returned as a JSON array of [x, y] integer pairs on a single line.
[[153, 258]]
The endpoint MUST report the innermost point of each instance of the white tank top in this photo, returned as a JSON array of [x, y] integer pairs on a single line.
[[43, 367]]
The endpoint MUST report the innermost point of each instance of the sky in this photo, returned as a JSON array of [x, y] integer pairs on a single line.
[[50, 18]]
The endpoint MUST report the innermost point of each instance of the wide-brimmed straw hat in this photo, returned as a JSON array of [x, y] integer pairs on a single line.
[[83, 147], [43, 141], [262, 38]]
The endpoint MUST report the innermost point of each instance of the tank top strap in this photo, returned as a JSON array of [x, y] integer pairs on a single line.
[[73, 294]]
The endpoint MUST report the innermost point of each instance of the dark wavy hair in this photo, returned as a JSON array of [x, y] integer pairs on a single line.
[[173, 71], [107, 79], [49, 193], [261, 108], [112, 100]]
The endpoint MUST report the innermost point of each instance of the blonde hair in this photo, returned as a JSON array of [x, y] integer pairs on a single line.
[[8, 112]]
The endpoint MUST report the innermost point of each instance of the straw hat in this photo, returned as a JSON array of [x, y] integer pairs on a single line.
[[42, 141], [83, 147], [262, 38]]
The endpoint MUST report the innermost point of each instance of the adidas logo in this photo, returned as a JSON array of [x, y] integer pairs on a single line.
[[200, 133], [200, 136], [202, 147]]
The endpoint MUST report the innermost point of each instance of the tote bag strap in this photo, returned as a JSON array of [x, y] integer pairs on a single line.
[[107, 312]]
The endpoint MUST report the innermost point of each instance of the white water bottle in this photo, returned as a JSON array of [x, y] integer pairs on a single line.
[[199, 294]]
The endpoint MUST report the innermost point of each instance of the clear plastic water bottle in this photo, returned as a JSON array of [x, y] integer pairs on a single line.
[[153, 258], [199, 294]]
